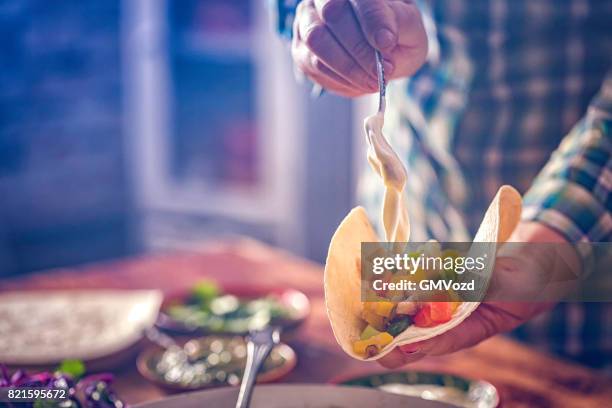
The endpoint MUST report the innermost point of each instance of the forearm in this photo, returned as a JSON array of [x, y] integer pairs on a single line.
[[572, 193]]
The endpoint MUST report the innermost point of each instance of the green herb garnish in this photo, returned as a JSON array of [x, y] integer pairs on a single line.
[[74, 368]]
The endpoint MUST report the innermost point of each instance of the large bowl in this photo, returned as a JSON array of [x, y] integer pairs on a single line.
[[296, 396]]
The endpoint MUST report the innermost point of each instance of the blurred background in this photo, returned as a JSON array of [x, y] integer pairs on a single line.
[[132, 126]]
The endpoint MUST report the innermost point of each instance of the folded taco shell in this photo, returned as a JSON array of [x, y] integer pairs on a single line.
[[342, 279]]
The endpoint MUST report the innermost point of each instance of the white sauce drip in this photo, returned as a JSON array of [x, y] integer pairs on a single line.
[[387, 164]]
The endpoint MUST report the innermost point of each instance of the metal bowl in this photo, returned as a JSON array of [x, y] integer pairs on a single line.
[[293, 299], [210, 361], [459, 391]]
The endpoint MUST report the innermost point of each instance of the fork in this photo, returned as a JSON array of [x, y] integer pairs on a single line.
[[382, 85], [259, 345]]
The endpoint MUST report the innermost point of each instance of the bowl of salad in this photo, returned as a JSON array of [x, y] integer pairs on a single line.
[[68, 386], [208, 308]]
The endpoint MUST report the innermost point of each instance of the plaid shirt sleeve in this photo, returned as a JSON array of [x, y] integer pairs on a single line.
[[572, 193]]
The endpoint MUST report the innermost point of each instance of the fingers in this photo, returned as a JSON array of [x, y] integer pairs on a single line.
[[411, 50], [397, 358], [334, 40], [405, 60], [339, 17], [411, 32], [485, 322], [316, 70], [377, 22], [311, 33]]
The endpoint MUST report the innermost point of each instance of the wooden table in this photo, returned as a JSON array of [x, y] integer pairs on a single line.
[[524, 377]]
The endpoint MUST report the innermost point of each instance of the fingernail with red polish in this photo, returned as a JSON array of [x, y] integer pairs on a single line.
[[384, 38], [410, 348]]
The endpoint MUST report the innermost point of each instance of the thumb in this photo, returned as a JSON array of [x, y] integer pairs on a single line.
[[377, 21]]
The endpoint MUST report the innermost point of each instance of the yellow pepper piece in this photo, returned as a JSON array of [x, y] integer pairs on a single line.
[[384, 309], [364, 347], [381, 308]]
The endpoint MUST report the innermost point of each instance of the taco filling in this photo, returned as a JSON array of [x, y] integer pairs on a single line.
[[386, 320], [390, 312]]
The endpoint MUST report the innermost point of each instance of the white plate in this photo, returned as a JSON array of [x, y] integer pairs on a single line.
[[296, 396], [47, 327]]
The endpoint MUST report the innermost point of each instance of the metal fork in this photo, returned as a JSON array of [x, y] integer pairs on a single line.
[[259, 345], [382, 85]]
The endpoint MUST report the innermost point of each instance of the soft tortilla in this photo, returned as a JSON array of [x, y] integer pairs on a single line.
[[342, 279]]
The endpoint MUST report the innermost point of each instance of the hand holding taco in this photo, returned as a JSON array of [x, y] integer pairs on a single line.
[[516, 267]]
